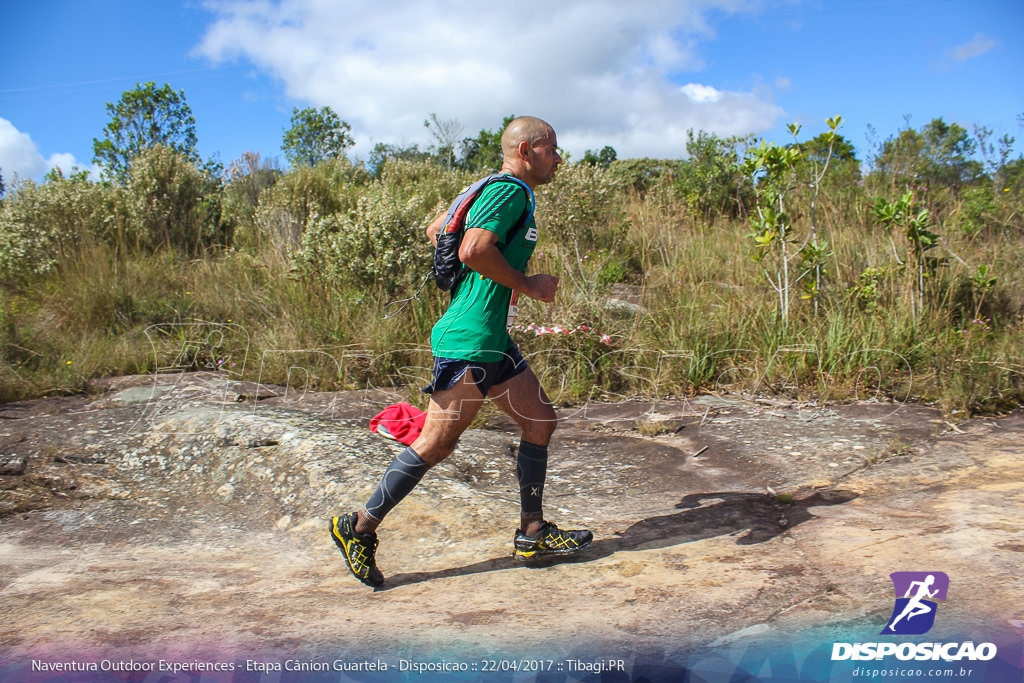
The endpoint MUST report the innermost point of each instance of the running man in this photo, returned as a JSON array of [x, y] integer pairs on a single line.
[[475, 358], [914, 606]]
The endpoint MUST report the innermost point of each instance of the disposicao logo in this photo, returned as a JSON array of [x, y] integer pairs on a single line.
[[914, 614], [915, 608]]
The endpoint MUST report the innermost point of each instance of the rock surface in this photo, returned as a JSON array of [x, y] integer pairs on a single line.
[[185, 516]]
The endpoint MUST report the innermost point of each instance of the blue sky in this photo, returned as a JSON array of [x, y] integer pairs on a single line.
[[634, 75]]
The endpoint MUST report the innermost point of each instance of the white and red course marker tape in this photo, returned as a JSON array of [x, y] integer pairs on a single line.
[[558, 329]]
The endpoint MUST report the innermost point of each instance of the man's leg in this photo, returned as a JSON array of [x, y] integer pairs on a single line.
[[524, 400], [449, 413]]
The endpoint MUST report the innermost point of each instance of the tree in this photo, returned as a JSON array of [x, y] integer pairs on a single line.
[[446, 134], [939, 154], [144, 117], [643, 174], [247, 178], [773, 171], [711, 181], [827, 147], [948, 150], [994, 157], [381, 152], [483, 153], [316, 135], [834, 153], [604, 158]]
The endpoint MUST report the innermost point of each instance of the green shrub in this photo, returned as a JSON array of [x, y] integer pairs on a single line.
[[978, 210], [377, 242], [581, 209], [431, 185], [43, 225], [330, 187], [642, 175], [247, 178], [171, 203], [380, 244], [711, 181]]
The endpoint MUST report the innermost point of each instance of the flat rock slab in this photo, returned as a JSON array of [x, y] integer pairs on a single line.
[[186, 517]]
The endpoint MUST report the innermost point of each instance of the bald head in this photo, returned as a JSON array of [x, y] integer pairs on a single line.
[[527, 129], [529, 150]]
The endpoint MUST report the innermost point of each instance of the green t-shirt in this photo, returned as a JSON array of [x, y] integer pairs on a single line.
[[475, 326]]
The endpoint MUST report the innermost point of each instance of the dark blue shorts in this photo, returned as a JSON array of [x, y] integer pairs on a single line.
[[449, 371]]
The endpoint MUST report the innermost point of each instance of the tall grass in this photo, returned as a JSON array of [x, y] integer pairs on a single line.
[[671, 305]]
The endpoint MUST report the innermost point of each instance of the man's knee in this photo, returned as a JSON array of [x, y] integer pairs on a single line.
[[433, 452], [539, 431]]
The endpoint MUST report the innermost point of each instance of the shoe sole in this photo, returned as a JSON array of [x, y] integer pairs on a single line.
[[340, 542]]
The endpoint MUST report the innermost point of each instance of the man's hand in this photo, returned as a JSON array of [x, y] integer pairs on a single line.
[[541, 287]]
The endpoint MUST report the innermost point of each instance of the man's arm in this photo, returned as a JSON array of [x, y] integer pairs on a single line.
[[435, 227], [479, 251]]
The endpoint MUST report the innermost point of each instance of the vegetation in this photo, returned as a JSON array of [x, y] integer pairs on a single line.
[[749, 267], [145, 116], [316, 135]]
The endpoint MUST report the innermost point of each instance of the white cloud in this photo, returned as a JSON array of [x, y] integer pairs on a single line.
[[20, 157], [600, 71], [18, 154], [978, 46], [66, 162], [955, 56], [701, 93]]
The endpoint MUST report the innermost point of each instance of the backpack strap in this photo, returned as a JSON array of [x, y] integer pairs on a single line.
[[449, 271], [531, 204], [443, 271], [455, 220]]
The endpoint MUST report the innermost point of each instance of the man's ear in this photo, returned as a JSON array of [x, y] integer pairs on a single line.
[[523, 149]]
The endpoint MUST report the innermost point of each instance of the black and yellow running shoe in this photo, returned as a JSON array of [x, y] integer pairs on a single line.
[[358, 549], [550, 541]]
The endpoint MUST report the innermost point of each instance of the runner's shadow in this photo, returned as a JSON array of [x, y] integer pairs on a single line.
[[751, 517]]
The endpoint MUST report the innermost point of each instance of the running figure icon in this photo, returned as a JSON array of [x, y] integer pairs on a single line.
[[915, 608]]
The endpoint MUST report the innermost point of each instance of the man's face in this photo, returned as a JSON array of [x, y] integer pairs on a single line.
[[544, 159]]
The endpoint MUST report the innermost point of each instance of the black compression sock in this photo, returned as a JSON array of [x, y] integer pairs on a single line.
[[531, 470], [401, 477]]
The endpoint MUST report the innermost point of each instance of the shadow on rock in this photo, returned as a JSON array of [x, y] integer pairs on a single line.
[[751, 517]]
